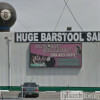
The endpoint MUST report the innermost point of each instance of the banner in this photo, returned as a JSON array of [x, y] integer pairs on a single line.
[[55, 55], [59, 37]]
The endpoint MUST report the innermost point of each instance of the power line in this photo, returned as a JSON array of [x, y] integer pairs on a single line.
[[23, 25], [22, 22], [28, 27], [73, 15], [60, 17]]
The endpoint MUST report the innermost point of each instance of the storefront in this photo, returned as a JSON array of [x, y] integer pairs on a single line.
[[69, 62]]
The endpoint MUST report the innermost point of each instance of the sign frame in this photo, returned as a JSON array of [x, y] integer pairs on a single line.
[[53, 66]]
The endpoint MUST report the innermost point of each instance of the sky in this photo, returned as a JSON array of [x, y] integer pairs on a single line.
[[43, 15]]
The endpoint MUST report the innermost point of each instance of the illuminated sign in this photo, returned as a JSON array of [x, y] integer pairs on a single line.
[[55, 55], [60, 37]]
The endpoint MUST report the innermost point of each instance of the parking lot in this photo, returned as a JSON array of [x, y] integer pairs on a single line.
[[14, 95]]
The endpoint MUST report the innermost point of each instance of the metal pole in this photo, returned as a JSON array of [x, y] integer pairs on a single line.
[[22, 92], [8, 66]]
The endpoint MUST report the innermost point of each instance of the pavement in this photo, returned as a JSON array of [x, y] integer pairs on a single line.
[[14, 95]]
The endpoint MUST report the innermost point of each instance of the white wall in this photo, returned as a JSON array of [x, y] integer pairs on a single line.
[[87, 75]]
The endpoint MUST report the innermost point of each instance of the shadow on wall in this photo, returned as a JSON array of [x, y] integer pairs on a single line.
[[48, 71]]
